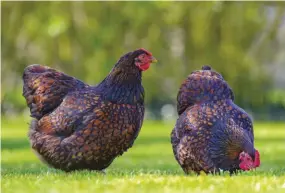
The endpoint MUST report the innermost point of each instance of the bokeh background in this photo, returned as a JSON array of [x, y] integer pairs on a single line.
[[245, 41]]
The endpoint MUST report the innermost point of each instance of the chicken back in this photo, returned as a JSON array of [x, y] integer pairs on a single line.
[[211, 132], [78, 126]]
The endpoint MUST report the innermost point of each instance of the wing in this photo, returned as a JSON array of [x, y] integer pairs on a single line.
[[242, 118], [71, 113], [201, 86], [44, 88]]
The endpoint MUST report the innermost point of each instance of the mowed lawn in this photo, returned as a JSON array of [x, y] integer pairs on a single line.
[[147, 167]]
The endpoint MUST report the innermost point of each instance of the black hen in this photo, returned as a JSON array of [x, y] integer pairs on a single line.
[[77, 126], [212, 132]]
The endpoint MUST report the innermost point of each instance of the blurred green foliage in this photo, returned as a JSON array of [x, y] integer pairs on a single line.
[[85, 39]]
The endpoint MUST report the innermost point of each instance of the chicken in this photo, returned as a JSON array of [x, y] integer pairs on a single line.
[[212, 133], [77, 126]]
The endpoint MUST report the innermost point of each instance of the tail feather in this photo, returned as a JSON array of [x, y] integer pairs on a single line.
[[44, 88], [202, 85]]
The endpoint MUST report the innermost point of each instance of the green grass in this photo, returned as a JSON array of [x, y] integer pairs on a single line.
[[147, 167]]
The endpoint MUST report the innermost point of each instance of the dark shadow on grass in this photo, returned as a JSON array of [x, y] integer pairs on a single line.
[[13, 144]]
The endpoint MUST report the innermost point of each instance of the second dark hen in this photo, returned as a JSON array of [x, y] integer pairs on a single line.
[[78, 126], [212, 133]]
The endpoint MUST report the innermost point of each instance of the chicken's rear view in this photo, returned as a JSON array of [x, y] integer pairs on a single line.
[[211, 133], [77, 126]]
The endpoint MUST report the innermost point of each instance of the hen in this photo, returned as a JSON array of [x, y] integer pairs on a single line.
[[212, 133], [78, 126]]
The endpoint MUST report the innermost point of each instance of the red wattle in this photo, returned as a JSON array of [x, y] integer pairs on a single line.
[[246, 165], [144, 67]]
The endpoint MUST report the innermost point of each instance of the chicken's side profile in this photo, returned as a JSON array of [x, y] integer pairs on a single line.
[[78, 126], [212, 133]]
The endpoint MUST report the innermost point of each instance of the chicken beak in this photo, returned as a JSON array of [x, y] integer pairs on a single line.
[[153, 60]]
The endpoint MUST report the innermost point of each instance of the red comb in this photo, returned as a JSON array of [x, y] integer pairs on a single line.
[[146, 51], [257, 159]]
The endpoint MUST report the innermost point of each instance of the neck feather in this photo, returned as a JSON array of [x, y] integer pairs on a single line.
[[122, 86]]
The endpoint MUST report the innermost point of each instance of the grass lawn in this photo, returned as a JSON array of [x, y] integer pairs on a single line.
[[147, 167]]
